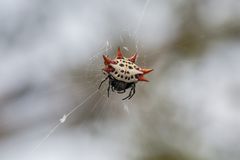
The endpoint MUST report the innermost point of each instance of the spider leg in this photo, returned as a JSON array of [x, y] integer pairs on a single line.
[[128, 95], [131, 93], [103, 82], [109, 85], [112, 88], [132, 89], [120, 92]]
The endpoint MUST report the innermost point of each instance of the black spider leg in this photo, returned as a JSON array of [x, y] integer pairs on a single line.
[[112, 88], [131, 93], [109, 85], [134, 90], [110, 82], [103, 82], [120, 92]]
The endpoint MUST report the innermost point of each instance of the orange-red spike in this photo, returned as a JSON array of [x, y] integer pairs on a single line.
[[141, 78], [107, 60], [108, 69], [119, 54], [133, 58], [146, 71]]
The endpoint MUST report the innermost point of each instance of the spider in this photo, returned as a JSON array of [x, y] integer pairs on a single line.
[[123, 74]]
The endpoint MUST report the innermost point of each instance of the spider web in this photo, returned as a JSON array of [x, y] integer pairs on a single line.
[[92, 77]]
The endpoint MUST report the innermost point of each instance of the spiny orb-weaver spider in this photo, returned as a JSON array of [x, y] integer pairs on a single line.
[[123, 73]]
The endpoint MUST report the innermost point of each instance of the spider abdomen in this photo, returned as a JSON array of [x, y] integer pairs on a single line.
[[125, 70]]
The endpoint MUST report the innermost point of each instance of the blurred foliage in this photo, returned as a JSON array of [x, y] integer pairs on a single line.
[[174, 155]]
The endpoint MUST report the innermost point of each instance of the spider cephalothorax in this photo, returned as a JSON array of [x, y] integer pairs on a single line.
[[123, 73]]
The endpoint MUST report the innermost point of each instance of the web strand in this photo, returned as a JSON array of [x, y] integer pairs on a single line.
[[141, 17], [62, 120]]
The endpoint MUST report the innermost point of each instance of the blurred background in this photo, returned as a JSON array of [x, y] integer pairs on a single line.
[[51, 61]]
